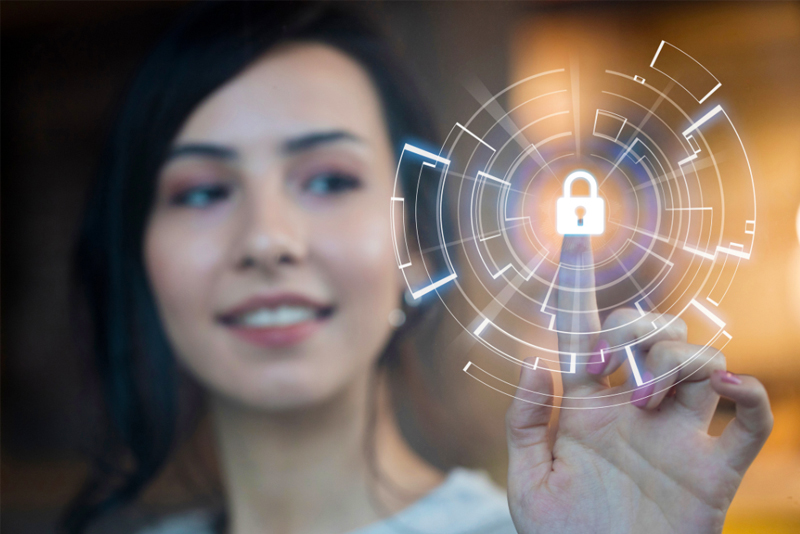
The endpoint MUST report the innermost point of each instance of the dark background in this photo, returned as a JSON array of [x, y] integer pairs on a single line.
[[66, 65]]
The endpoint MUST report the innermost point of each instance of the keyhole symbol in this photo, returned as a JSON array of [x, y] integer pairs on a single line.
[[580, 211]]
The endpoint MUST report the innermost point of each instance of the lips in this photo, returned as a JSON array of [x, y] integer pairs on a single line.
[[273, 321]]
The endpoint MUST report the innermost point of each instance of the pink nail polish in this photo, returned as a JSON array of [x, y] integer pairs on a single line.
[[642, 394], [730, 378], [597, 363]]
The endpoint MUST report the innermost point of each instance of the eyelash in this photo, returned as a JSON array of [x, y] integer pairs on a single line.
[[335, 183], [205, 195], [210, 194]]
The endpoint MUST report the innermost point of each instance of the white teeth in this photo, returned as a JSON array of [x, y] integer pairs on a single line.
[[282, 316]]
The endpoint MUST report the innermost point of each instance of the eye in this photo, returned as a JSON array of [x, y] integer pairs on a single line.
[[332, 184], [201, 196]]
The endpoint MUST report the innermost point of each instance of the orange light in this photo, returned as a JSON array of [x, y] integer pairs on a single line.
[[797, 223]]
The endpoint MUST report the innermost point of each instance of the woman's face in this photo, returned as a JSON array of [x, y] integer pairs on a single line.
[[268, 247]]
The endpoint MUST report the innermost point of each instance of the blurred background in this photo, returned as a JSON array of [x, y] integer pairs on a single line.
[[66, 66]]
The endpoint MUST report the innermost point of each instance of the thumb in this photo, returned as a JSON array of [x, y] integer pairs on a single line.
[[527, 420]]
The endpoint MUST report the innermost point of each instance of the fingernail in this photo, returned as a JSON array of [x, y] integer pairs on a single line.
[[642, 394], [598, 362], [730, 378]]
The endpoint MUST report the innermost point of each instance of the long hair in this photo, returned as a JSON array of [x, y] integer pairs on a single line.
[[137, 371]]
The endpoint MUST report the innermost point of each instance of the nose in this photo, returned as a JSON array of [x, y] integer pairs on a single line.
[[273, 234]]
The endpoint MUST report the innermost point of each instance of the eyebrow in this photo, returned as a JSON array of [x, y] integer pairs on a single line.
[[207, 150], [313, 140], [292, 146]]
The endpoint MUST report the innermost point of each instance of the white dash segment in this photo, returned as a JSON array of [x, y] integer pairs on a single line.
[[704, 119], [699, 252], [655, 57], [504, 269], [428, 289], [475, 136], [490, 177], [648, 251], [634, 368], [737, 253], [481, 327], [547, 298], [711, 92], [714, 319], [425, 153]]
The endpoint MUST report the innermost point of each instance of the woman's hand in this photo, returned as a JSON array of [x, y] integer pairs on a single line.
[[642, 467]]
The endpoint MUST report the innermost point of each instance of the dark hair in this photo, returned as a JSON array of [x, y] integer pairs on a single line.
[[210, 45]]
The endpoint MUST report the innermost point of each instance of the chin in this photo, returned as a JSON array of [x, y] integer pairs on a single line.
[[286, 386]]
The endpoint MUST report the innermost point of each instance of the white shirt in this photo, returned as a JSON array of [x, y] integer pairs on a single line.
[[467, 502]]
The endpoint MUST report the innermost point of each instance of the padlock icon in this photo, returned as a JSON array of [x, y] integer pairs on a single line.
[[580, 215]]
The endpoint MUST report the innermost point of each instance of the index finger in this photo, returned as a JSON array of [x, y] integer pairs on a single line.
[[577, 319]]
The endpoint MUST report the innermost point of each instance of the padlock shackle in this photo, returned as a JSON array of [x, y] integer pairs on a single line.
[[580, 175]]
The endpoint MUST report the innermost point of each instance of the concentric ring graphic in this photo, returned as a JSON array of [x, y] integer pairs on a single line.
[[667, 160]]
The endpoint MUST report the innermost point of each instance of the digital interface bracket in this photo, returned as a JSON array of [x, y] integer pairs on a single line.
[[672, 175]]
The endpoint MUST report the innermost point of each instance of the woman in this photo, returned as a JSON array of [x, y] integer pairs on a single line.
[[240, 233]]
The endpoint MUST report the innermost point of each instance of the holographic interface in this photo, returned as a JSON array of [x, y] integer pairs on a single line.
[[661, 181]]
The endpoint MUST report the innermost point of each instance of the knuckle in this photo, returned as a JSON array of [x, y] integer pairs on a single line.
[[679, 329], [514, 433], [514, 419], [762, 395], [619, 317], [765, 425], [769, 422], [719, 361], [662, 358], [641, 327], [766, 420], [510, 414], [516, 427], [672, 327], [665, 351], [769, 418]]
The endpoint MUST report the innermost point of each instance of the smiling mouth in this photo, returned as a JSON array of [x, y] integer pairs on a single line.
[[277, 316], [277, 323]]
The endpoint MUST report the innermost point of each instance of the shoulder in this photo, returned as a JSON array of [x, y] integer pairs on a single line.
[[194, 522], [467, 502]]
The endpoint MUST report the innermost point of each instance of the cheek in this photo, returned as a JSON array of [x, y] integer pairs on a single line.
[[359, 253], [181, 266]]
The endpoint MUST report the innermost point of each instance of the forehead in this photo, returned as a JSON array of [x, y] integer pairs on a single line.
[[288, 92]]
